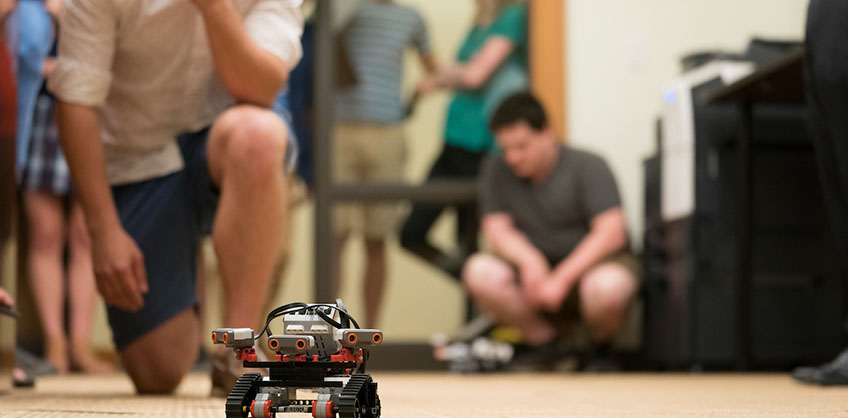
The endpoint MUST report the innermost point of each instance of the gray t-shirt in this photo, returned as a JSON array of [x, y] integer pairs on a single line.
[[556, 214]]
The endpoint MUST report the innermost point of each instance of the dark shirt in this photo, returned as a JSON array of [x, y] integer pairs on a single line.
[[556, 214]]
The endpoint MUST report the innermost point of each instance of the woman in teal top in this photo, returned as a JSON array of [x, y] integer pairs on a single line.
[[490, 65]]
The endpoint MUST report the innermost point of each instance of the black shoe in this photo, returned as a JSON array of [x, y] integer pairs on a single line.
[[600, 359], [539, 358], [834, 373]]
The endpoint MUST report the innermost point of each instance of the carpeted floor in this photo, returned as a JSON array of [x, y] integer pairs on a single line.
[[442, 395]]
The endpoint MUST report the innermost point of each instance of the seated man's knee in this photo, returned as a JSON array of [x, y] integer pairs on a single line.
[[253, 139], [608, 289], [484, 272]]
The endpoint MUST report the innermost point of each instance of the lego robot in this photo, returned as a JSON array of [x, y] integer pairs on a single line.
[[319, 351]]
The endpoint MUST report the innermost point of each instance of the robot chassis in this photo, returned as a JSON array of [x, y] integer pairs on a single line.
[[318, 351]]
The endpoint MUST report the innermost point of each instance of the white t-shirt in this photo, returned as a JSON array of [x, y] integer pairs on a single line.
[[147, 67]]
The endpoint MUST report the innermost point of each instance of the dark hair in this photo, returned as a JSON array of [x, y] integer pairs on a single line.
[[519, 107]]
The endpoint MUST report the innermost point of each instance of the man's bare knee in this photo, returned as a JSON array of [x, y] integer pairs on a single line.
[[484, 271], [249, 139], [157, 361], [607, 290]]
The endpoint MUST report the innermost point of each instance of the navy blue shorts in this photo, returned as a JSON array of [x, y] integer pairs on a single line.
[[167, 216]]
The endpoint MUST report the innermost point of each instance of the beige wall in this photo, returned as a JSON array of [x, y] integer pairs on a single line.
[[619, 52]]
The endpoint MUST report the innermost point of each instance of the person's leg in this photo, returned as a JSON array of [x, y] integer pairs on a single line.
[[467, 166], [46, 227], [606, 292], [157, 361], [383, 152], [493, 287], [346, 170], [826, 79], [81, 294], [375, 280], [245, 153], [338, 250], [413, 236], [158, 343]]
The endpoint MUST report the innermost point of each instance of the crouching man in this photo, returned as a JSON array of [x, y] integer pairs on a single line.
[[553, 218]]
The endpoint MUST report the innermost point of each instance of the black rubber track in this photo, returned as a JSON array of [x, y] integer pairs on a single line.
[[242, 395]]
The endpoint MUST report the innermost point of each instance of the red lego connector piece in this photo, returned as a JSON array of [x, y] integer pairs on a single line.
[[346, 355], [247, 354]]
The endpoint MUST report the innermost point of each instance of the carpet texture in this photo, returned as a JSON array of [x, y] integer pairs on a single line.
[[443, 395]]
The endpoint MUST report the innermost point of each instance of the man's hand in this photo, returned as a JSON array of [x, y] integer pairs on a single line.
[[552, 293], [55, 8], [6, 7], [119, 269], [426, 85], [533, 273], [6, 299], [48, 66]]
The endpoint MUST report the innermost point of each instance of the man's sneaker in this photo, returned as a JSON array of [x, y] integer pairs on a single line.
[[834, 373]]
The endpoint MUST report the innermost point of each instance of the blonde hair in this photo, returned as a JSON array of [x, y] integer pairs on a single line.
[[500, 5], [497, 7]]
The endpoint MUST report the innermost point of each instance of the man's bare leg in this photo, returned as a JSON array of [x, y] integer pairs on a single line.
[[46, 220], [492, 285], [606, 292], [157, 361], [246, 150], [375, 279]]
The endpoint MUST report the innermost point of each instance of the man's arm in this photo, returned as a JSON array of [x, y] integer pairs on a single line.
[[427, 83], [248, 72], [508, 241], [513, 245], [428, 61], [118, 263], [608, 235]]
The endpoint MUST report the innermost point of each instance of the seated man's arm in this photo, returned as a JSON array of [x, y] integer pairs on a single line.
[[513, 245], [508, 241], [607, 236], [499, 228], [253, 58], [599, 199]]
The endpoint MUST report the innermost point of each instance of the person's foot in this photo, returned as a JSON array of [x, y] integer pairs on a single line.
[[56, 352], [84, 359], [834, 373], [31, 365], [226, 371], [20, 378]]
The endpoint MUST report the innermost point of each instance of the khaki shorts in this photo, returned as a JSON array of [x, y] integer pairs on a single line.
[[368, 153]]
